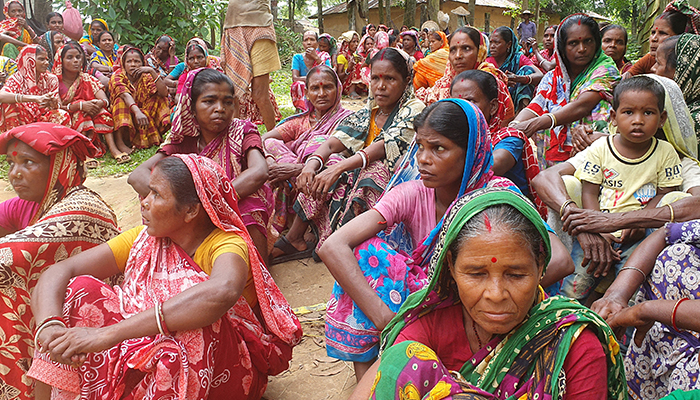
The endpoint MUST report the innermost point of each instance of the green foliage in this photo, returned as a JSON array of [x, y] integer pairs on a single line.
[[288, 44], [140, 23]]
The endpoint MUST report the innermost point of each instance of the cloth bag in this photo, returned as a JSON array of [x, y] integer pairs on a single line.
[[72, 22]]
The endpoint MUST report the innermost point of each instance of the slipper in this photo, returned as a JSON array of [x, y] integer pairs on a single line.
[[123, 158], [290, 252], [91, 163]]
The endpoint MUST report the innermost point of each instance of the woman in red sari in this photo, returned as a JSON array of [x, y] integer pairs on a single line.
[[83, 96], [54, 217], [31, 94], [15, 33], [197, 317]]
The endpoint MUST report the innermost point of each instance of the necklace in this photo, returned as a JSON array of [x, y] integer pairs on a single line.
[[381, 112], [478, 339]]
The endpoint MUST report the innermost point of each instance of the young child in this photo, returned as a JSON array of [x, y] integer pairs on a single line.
[[626, 171]]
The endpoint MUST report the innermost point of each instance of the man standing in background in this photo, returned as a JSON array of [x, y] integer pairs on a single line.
[[527, 28]]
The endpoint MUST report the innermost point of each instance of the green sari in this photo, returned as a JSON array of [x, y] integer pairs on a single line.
[[687, 74], [527, 363]]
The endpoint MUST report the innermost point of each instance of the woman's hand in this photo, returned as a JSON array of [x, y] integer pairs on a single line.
[[636, 316], [323, 182], [72, 345], [44, 100], [529, 127], [583, 136], [512, 79], [608, 306], [143, 70], [312, 55], [141, 119], [280, 172], [305, 178], [92, 107]]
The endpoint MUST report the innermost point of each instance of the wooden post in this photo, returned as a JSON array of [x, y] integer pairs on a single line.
[[433, 8], [409, 16], [352, 9], [472, 12], [319, 4], [387, 7]]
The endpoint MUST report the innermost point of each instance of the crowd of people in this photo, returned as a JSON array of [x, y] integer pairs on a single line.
[[504, 219]]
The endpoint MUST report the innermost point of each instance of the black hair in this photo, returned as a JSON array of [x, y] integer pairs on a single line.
[[42, 49], [668, 48], [193, 46], [205, 76], [51, 15], [487, 82], [473, 34], [555, 27], [322, 69], [392, 39], [640, 84], [412, 37], [99, 36], [579, 19], [131, 49], [446, 118], [181, 183], [73, 45], [164, 38], [612, 27], [395, 58], [104, 27], [371, 26], [436, 36], [505, 33], [677, 20]]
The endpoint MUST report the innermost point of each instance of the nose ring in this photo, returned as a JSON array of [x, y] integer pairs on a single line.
[[145, 205], [19, 175]]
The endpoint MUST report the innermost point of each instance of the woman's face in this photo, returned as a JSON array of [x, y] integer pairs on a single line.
[[469, 90], [132, 62], [196, 59], [580, 46], [371, 31], [309, 40], [387, 84], [497, 278], [661, 67], [353, 44], [162, 49], [56, 23], [29, 171], [440, 160], [15, 10], [463, 52], [95, 28], [58, 41], [435, 44], [548, 40], [322, 91], [42, 61], [614, 44], [73, 61], [408, 43], [369, 45], [214, 108], [324, 46], [106, 43], [659, 32], [498, 46], [159, 209]]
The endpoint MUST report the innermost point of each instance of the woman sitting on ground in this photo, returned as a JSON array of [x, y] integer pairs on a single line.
[[196, 56], [207, 316], [335, 188], [89, 41], [139, 102], [288, 146], [15, 32], [614, 40], [545, 59], [162, 56], [409, 39], [431, 68], [54, 217], [523, 76], [350, 65], [326, 43], [52, 41], [105, 57], [485, 315], [204, 125], [31, 94], [449, 133], [83, 96], [54, 21], [302, 63]]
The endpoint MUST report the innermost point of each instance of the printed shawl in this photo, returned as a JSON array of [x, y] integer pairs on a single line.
[[527, 363], [693, 14], [70, 219], [432, 67], [688, 74]]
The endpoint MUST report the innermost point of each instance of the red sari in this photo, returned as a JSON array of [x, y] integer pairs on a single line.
[[231, 357], [70, 219]]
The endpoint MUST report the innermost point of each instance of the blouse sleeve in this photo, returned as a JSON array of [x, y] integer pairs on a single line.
[[117, 85], [121, 246]]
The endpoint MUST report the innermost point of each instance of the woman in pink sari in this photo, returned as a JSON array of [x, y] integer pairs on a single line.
[[198, 315], [204, 125]]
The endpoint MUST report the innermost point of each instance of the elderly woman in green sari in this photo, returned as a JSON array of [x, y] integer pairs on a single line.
[[484, 315]]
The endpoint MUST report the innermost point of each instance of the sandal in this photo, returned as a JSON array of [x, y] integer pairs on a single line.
[[123, 158], [91, 163], [290, 252]]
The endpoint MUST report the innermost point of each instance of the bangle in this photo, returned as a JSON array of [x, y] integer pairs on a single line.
[[554, 120], [160, 326], [105, 103], [50, 318], [673, 315], [363, 156], [636, 269], [46, 325], [529, 79], [513, 123], [673, 217], [131, 107], [161, 318], [317, 158], [563, 206], [81, 105]]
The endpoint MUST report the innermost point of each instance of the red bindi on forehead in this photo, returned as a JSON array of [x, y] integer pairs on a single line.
[[494, 260], [14, 154]]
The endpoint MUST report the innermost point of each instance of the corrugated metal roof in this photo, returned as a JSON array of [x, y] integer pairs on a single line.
[[342, 8]]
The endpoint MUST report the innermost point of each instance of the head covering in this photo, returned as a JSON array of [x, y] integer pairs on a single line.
[[412, 34], [331, 39], [100, 20], [11, 25], [526, 12], [68, 150], [512, 61], [47, 42], [693, 14], [347, 37], [25, 80], [445, 41], [381, 40], [688, 74]]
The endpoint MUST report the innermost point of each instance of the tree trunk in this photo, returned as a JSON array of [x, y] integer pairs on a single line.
[[291, 14], [409, 18], [275, 9], [352, 9], [364, 8], [423, 14], [433, 8], [382, 19], [524, 5], [387, 6], [537, 16], [319, 4], [472, 12]]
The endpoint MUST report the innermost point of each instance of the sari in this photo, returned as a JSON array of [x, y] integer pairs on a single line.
[[358, 190], [228, 150], [513, 64], [526, 363], [381, 41], [693, 14], [385, 260], [163, 67], [306, 139], [145, 93], [298, 88], [353, 76], [84, 88], [46, 42], [431, 68], [11, 27], [688, 73], [235, 354], [557, 89], [101, 58], [25, 82], [70, 218]]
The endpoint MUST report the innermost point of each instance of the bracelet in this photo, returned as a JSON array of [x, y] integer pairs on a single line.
[[563, 206], [317, 158], [80, 103], [675, 308], [161, 318], [364, 158], [50, 318], [554, 121], [673, 217], [529, 79], [513, 123], [636, 269], [105, 102], [156, 80], [46, 325], [160, 327], [132, 106]]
